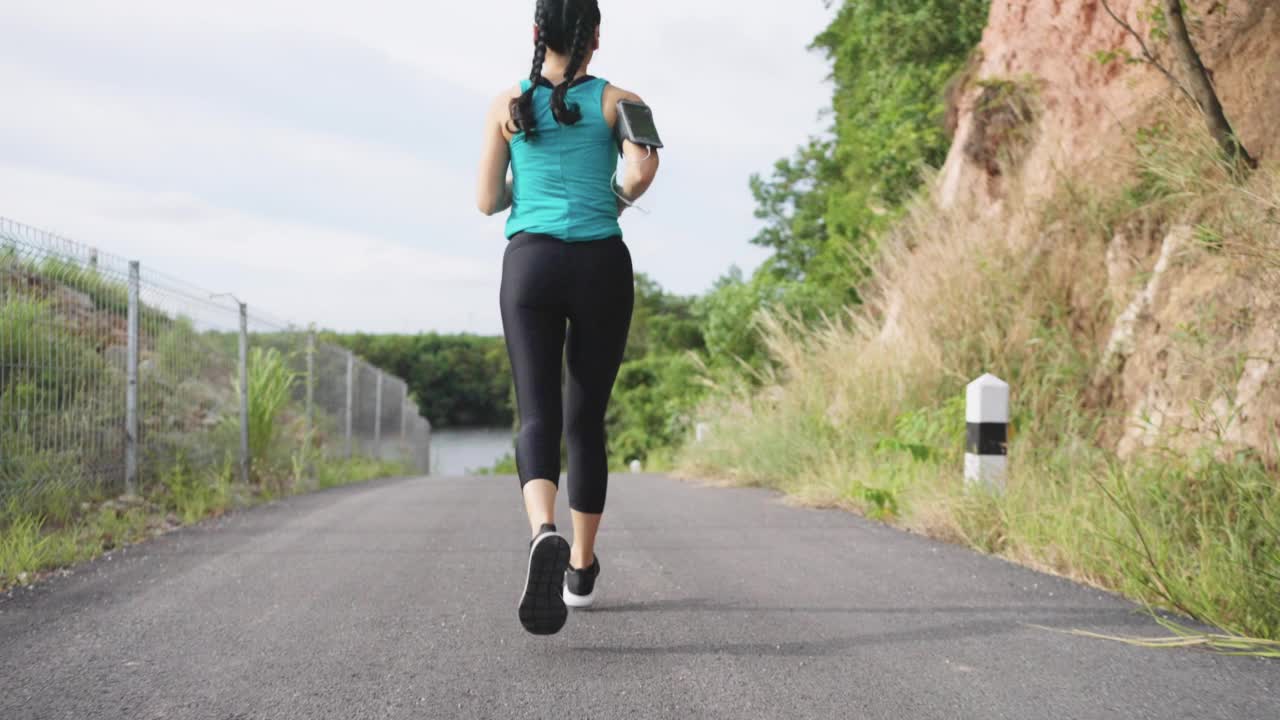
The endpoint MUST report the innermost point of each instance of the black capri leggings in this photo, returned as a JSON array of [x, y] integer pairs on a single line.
[[547, 282]]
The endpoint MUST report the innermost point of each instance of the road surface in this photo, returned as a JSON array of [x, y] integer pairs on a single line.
[[397, 599]]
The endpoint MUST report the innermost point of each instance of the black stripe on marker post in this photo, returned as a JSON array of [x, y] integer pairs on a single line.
[[987, 438]]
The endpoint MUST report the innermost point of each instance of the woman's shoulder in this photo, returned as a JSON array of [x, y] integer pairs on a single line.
[[610, 97], [500, 108], [613, 93], [503, 99]]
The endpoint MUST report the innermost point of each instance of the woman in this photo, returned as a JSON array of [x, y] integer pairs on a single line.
[[565, 262]]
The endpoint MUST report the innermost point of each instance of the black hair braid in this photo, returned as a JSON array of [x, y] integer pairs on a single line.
[[567, 27], [522, 113], [564, 113]]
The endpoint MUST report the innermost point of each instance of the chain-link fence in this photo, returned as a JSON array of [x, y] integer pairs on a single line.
[[111, 372]]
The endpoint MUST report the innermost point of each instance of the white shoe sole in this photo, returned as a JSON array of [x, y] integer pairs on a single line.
[[579, 602]]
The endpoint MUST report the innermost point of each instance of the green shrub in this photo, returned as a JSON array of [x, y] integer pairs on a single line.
[[730, 316], [652, 406], [358, 469], [505, 465], [22, 546], [193, 496], [270, 386]]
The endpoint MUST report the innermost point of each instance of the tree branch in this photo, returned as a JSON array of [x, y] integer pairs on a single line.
[[1202, 86], [1149, 57]]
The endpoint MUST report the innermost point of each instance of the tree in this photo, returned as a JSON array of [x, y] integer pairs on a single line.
[[458, 380], [893, 60], [1202, 88], [661, 322], [793, 202], [1170, 24]]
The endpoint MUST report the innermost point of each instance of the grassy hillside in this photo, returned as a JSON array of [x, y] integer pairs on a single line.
[[867, 410], [1130, 303]]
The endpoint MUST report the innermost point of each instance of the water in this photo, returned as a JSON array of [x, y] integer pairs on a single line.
[[462, 451]]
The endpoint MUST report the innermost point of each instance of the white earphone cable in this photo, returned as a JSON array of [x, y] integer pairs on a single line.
[[613, 183]]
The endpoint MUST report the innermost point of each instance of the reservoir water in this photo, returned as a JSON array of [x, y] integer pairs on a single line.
[[461, 451]]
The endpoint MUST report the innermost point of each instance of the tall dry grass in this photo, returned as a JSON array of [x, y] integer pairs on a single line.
[[865, 410]]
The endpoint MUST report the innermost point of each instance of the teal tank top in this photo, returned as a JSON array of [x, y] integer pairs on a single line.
[[562, 180]]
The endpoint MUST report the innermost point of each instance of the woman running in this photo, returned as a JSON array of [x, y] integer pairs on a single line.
[[565, 263]]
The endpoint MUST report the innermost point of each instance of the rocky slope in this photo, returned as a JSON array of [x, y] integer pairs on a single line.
[[1192, 346]]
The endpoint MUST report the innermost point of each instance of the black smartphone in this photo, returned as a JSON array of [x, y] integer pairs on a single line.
[[635, 123]]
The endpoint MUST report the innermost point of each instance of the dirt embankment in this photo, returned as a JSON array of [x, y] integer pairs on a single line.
[[1192, 350]]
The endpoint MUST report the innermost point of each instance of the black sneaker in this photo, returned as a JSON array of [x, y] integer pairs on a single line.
[[542, 610], [580, 585]]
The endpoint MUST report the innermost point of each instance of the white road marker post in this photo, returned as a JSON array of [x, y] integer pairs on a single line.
[[701, 431], [986, 453]]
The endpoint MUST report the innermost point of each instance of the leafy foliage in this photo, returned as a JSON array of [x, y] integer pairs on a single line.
[[892, 62], [662, 322], [728, 314], [652, 405], [458, 380], [192, 494], [793, 202], [270, 382], [656, 388]]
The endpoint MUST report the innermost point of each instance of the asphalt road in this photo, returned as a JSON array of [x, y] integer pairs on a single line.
[[398, 600]]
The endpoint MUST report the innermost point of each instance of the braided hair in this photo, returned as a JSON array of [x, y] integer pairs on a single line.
[[567, 27]]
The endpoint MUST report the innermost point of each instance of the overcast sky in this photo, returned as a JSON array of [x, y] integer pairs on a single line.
[[318, 158]]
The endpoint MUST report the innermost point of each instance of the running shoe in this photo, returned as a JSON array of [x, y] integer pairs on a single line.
[[542, 609], [580, 585]]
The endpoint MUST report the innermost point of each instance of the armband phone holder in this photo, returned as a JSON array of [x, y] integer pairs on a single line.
[[635, 123]]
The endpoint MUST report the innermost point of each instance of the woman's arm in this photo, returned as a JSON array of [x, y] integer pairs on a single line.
[[641, 167], [640, 163], [493, 191]]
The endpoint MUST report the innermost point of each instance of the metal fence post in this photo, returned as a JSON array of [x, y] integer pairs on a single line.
[[351, 371], [377, 417], [131, 388], [427, 445], [309, 431], [244, 393], [311, 384], [404, 413]]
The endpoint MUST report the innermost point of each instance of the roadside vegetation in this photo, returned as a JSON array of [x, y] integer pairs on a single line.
[[856, 418], [836, 372], [62, 385], [459, 380], [53, 534]]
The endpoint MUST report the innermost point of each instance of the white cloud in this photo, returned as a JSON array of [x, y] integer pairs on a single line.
[[291, 270], [318, 156], [163, 140]]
